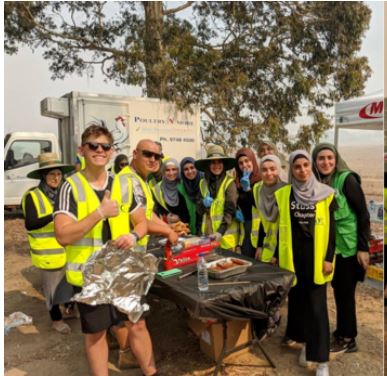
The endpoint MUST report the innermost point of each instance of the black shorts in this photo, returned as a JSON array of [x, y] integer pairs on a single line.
[[101, 317]]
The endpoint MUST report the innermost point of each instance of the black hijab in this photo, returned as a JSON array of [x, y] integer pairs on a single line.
[[191, 186]]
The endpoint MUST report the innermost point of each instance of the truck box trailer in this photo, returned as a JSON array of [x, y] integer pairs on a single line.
[[129, 119]]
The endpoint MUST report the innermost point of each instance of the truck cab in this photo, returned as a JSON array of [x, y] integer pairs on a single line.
[[21, 150]]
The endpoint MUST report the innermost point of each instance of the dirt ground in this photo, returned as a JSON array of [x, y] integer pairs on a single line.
[[37, 350]]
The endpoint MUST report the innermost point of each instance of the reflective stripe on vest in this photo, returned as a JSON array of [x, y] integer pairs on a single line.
[[230, 238], [79, 252], [122, 192], [321, 235], [156, 189], [45, 251], [270, 228]]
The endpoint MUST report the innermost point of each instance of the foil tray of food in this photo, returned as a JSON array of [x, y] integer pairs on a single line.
[[227, 267]]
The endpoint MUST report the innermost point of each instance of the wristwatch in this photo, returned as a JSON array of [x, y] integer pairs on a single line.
[[134, 233]]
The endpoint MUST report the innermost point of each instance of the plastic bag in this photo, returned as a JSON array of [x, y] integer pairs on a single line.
[[16, 319]]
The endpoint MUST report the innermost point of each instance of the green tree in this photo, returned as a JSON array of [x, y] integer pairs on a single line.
[[254, 67]]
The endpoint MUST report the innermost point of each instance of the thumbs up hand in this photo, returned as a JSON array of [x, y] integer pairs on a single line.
[[207, 201], [108, 207], [245, 180]]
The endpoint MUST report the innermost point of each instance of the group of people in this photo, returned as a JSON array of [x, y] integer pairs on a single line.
[[312, 221]]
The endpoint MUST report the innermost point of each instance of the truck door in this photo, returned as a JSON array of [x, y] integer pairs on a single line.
[[21, 157]]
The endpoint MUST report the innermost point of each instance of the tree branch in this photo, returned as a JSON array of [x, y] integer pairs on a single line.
[[86, 44], [167, 12]]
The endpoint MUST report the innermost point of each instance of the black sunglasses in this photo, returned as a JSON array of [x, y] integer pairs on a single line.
[[95, 145], [124, 164], [150, 154]]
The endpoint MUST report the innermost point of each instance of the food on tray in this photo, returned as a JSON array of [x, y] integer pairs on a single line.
[[226, 264], [238, 262], [215, 268]]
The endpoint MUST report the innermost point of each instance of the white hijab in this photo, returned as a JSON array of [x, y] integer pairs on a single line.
[[312, 191]]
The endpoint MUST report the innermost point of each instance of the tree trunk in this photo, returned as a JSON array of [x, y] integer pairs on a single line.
[[153, 48]]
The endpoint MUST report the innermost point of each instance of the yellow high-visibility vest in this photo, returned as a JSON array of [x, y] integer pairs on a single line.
[[270, 228], [79, 252], [122, 192], [46, 252], [230, 238], [156, 189], [321, 235]]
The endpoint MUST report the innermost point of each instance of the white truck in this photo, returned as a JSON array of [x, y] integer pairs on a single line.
[[130, 119]]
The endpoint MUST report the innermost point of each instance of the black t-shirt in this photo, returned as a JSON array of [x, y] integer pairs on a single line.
[[66, 204], [181, 209], [246, 203]]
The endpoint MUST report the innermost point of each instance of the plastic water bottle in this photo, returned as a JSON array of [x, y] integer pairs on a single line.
[[202, 273]]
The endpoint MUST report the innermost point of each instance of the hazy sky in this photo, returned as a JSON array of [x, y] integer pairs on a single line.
[[27, 81]]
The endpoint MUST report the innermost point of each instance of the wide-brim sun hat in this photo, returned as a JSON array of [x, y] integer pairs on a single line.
[[215, 152], [49, 161]]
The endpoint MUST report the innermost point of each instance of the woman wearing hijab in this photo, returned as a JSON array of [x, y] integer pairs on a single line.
[[269, 148], [265, 228], [265, 210], [189, 188], [169, 201], [247, 172], [352, 236], [218, 198], [120, 162], [46, 253], [307, 248]]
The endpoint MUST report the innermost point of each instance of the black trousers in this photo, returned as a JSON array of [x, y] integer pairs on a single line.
[[247, 248], [348, 272], [308, 319], [55, 313]]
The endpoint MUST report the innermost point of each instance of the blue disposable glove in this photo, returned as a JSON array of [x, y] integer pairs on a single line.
[[239, 216], [207, 201], [245, 180]]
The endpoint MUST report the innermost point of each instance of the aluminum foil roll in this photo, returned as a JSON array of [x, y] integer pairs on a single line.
[[119, 277]]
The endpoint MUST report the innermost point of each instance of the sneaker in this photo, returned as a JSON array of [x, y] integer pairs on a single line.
[[61, 327], [302, 358], [340, 345], [126, 359], [322, 369], [286, 341]]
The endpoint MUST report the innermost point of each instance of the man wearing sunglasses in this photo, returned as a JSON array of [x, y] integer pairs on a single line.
[[147, 160], [84, 218]]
